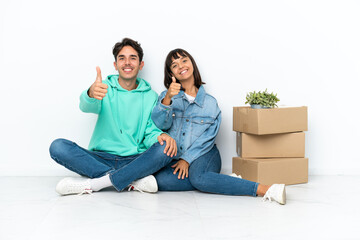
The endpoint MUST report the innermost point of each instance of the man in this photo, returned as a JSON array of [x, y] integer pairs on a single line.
[[126, 146]]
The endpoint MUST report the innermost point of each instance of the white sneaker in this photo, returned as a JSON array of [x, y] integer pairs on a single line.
[[72, 185], [234, 175], [146, 184], [277, 193]]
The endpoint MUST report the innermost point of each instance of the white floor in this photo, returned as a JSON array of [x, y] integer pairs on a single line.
[[325, 208]]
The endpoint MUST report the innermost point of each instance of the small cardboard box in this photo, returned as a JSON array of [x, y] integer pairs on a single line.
[[272, 170], [270, 121], [270, 146]]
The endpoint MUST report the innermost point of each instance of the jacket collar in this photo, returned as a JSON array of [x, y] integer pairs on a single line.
[[200, 96]]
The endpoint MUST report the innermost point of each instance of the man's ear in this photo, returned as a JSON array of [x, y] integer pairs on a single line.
[[115, 66], [141, 65]]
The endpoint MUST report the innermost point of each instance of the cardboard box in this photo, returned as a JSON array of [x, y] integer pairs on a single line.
[[270, 121], [272, 170], [270, 146]]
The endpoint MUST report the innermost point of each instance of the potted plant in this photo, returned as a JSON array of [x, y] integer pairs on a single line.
[[260, 99]]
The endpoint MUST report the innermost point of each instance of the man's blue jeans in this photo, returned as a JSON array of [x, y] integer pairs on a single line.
[[94, 164], [204, 175]]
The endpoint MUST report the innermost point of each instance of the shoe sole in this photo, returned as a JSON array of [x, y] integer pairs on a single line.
[[155, 189], [283, 197]]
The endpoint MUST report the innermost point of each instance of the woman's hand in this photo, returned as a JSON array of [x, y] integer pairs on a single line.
[[173, 90], [170, 147], [183, 167]]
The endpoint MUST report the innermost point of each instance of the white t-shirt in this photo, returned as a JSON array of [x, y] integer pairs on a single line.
[[190, 98]]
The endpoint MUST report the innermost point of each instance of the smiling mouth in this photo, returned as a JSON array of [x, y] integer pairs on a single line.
[[183, 72], [127, 70]]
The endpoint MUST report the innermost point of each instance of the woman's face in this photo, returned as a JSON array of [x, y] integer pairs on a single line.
[[182, 68]]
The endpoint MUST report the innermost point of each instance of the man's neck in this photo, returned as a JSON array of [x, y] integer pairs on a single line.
[[128, 84]]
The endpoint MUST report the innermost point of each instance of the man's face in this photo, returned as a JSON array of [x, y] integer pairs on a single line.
[[127, 63]]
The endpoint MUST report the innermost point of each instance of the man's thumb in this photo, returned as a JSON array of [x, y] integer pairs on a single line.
[[98, 75], [173, 79]]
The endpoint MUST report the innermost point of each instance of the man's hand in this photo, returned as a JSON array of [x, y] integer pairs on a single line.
[[98, 89], [173, 90], [183, 167], [170, 147]]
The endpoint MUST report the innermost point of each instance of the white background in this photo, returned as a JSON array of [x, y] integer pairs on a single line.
[[307, 52]]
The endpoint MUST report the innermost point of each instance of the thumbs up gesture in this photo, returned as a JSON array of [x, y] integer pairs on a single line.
[[98, 89], [174, 88]]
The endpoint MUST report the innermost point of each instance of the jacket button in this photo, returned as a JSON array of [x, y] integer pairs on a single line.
[[181, 148], [187, 120], [183, 134]]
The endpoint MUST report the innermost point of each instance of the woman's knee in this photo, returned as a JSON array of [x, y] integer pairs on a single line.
[[197, 180]]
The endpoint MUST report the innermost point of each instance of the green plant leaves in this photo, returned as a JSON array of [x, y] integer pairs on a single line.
[[262, 98]]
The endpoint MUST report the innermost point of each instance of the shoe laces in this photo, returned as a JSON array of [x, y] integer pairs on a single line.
[[132, 187], [86, 191]]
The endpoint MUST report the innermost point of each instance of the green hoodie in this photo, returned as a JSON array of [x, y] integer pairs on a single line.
[[124, 126]]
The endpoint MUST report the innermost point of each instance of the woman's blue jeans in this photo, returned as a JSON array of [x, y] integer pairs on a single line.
[[204, 175], [94, 164]]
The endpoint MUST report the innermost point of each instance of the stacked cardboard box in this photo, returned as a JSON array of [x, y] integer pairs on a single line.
[[271, 144]]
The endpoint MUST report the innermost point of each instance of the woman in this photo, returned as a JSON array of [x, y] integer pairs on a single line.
[[192, 117]]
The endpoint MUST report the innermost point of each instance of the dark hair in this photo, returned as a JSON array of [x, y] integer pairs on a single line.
[[174, 54], [128, 42]]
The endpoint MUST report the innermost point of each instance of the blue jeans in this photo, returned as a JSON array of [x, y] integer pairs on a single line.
[[94, 164], [204, 175]]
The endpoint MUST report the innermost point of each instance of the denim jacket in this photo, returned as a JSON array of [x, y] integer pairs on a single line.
[[194, 126]]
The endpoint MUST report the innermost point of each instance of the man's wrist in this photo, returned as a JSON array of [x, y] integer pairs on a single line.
[[88, 93]]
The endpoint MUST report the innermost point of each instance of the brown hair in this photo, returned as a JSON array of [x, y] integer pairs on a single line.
[[174, 54], [128, 42]]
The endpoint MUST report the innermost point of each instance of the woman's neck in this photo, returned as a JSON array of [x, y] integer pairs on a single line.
[[189, 86]]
